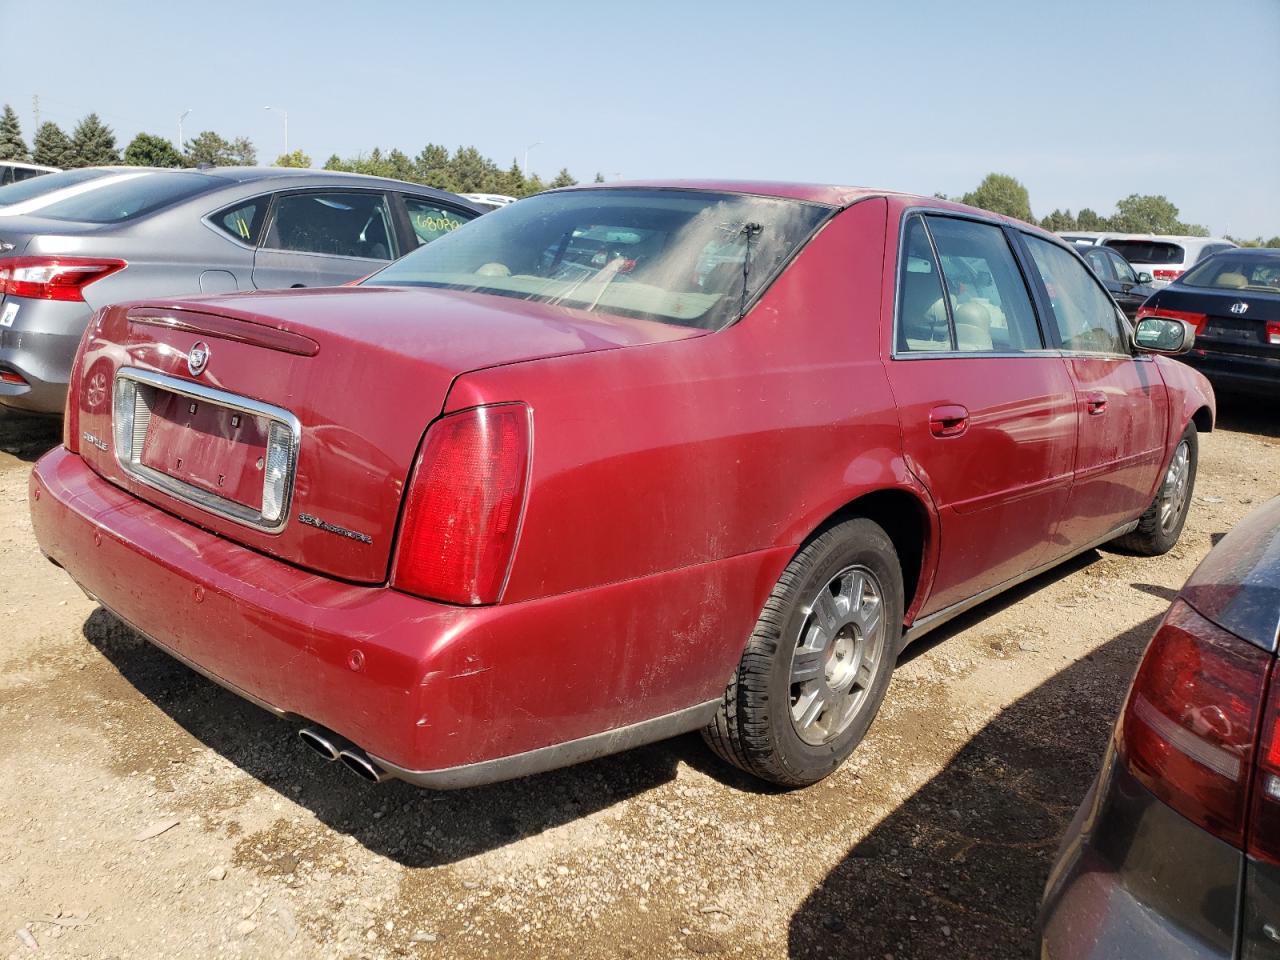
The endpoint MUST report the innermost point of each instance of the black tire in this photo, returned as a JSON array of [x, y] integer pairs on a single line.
[[754, 728], [1157, 531]]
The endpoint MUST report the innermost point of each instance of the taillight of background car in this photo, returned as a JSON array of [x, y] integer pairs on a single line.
[[53, 278], [463, 506], [1190, 727], [1166, 274]]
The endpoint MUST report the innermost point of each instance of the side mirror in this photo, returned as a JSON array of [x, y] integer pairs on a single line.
[[1144, 277], [1162, 335]]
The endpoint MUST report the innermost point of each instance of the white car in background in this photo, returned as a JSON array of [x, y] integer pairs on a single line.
[[491, 201], [15, 171], [1165, 256]]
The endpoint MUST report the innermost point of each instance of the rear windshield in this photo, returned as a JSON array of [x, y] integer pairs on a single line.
[[131, 198], [1258, 274], [676, 256], [37, 186], [1147, 251]]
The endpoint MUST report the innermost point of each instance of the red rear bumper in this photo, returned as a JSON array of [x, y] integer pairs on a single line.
[[425, 687]]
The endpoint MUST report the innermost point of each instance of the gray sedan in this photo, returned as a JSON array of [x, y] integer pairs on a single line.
[[178, 232]]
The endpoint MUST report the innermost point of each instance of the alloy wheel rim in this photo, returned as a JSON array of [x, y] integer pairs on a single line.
[[837, 655], [1173, 494]]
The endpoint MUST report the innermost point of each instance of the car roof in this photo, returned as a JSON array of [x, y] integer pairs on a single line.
[[829, 194]]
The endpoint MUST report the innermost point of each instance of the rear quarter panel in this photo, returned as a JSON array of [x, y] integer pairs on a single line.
[[677, 456]]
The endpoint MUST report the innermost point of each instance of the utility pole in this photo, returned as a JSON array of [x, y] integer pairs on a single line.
[[285, 114]]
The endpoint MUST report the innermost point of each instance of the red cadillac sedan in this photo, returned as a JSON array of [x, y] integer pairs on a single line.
[[612, 464]]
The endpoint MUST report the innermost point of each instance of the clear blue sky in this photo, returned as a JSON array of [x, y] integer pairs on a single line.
[[1085, 102]]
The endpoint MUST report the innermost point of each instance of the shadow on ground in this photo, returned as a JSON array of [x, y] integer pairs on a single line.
[[957, 870], [27, 436], [1246, 414], [417, 828]]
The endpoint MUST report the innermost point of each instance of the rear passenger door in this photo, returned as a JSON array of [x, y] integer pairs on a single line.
[[325, 237], [987, 412], [1121, 403]]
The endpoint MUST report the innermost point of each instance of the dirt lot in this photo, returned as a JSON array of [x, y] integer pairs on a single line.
[[934, 841]]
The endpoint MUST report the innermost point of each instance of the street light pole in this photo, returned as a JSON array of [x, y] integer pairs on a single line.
[[285, 115], [526, 155], [182, 116]]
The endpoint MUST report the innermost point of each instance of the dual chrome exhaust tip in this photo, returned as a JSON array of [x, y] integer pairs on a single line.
[[332, 747]]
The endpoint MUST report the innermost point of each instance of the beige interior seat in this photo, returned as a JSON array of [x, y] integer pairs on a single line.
[[973, 326], [1234, 281]]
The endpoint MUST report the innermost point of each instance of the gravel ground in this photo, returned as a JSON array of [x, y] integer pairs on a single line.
[[145, 812]]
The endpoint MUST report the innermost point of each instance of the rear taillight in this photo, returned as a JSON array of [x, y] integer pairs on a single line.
[[1166, 274], [1264, 818], [1273, 332], [1189, 727], [13, 377], [53, 278], [1197, 320], [463, 506]]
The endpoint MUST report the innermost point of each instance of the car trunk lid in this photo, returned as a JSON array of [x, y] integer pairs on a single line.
[[333, 386]]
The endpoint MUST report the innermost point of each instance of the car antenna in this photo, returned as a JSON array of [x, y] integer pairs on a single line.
[[751, 231]]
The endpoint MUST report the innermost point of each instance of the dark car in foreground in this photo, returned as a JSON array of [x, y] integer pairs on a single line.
[[1233, 300], [151, 232], [1175, 853], [1129, 289], [612, 464]]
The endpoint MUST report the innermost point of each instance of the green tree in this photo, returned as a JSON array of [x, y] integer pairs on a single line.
[[12, 146], [512, 183], [148, 150], [599, 178], [1151, 213], [335, 162], [533, 184], [1001, 193], [431, 166], [1087, 219], [1059, 220], [564, 179], [473, 172], [93, 143], [242, 152], [208, 147], [51, 146], [295, 159], [400, 167]]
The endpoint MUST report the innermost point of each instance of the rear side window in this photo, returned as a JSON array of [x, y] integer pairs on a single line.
[[430, 221], [338, 224], [986, 308], [1084, 315], [1148, 251], [131, 198], [244, 220], [923, 324], [1236, 272]]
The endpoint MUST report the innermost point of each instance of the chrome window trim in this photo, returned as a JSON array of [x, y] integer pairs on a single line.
[[193, 495]]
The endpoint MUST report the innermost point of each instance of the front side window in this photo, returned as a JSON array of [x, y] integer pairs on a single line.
[[1124, 273], [1084, 315], [128, 198], [1099, 263], [339, 224], [686, 257], [431, 221]]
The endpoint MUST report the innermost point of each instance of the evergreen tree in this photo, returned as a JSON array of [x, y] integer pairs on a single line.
[[148, 150], [12, 146], [431, 166], [400, 167], [208, 147], [564, 179], [93, 143], [242, 153], [334, 163], [51, 146], [599, 178]]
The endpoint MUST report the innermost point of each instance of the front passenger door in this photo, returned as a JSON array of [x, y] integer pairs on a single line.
[[1121, 401], [321, 238]]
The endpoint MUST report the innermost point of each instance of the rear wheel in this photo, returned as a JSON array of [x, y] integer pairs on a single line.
[[819, 660], [1161, 526]]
